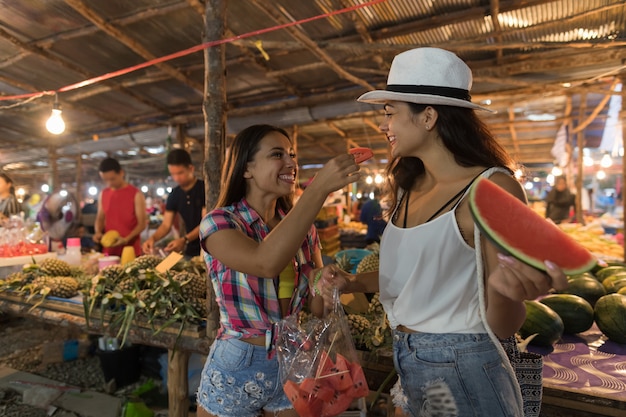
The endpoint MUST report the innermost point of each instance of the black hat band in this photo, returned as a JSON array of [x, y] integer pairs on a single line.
[[451, 92]]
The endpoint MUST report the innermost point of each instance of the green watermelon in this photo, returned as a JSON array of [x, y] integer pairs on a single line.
[[585, 275], [588, 288], [542, 320], [611, 283], [610, 316], [604, 273], [519, 231], [575, 311]]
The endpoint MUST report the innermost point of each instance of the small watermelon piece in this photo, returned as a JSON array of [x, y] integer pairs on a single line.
[[359, 382], [361, 154], [341, 380], [519, 231], [325, 365], [318, 388], [337, 405], [305, 405]]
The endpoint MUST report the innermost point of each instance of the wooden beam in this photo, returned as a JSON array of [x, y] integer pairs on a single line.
[[299, 35], [512, 130], [111, 30], [73, 67]]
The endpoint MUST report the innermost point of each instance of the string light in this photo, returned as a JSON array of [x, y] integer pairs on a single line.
[[55, 123]]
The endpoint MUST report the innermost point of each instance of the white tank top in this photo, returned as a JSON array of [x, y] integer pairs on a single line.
[[427, 277]]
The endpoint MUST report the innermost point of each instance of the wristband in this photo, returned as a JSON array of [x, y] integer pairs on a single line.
[[315, 281], [186, 239]]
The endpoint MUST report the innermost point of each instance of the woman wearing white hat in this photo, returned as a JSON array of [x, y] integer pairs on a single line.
[[446, 321]]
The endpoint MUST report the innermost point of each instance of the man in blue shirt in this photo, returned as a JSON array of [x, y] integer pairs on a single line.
[[372, 215], [187, 200]]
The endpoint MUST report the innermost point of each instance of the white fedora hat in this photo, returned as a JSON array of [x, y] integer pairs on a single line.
[[427, 76]]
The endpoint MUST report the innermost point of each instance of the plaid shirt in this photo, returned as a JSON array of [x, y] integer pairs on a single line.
[[249, 304]]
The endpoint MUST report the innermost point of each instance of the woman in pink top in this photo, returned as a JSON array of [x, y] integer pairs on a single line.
[[121, 207]]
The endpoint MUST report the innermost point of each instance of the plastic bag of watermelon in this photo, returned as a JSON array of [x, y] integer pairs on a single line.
[[318, 363]]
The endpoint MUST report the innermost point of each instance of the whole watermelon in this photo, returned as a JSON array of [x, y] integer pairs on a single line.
[[542, 320], [575, 311], [588, 288], [610, 316]]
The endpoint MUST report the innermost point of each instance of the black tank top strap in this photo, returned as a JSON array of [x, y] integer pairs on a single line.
[[456, 196]]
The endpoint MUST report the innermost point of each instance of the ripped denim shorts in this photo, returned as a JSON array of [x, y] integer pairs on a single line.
[[453, 374], [238, 380]]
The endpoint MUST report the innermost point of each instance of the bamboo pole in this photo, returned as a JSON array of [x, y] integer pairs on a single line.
[[177, 383]]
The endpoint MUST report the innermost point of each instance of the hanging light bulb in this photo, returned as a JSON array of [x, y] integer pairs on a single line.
[[600, 175], [557, 171], [55, 123], [606, 161]]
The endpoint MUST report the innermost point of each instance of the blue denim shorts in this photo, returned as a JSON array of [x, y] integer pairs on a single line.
[[238, 380], [453, 374]]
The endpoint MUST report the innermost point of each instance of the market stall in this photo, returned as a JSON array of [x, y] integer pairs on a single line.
[[70, 313]]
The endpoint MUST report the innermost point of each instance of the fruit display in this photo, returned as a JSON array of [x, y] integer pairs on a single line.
[[530, 237], [51, 277], [593, 237], [138, 291], [598, 297]]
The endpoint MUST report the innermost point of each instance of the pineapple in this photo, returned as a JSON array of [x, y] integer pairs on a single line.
[[127, 285], [63, 287], [112, 273], [199, 305], [191, 285], [55, 267], [344, 263], [368, 263], [375, 307], [145, 262]]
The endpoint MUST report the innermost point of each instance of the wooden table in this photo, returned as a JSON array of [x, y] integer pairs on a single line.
[[68, 314]]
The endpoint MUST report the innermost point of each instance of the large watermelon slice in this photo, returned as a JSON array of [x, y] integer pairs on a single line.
[[519, 231]]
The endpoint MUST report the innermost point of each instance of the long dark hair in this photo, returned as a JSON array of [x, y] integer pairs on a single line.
[[243, 149], [8, 180], [464, 134]]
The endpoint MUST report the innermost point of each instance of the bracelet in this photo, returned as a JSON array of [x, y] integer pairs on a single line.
[[186, 239], [315, 281]]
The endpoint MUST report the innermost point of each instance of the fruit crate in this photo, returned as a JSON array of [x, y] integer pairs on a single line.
[[328, 233]]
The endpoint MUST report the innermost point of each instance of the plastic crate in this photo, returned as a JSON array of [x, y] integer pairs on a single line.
[[354, 255]]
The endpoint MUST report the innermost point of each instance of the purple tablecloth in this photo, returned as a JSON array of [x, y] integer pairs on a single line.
[[587, 362]]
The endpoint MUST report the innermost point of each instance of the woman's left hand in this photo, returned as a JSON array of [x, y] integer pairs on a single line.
[[519, 281]]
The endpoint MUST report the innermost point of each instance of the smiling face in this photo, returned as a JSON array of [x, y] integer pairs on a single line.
[[273, 168], [405, 130]]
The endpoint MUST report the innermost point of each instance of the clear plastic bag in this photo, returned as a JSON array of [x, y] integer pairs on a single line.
[[319, 366]]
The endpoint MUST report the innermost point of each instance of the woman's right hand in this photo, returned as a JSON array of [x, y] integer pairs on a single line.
[[332, 277], [336, 174]]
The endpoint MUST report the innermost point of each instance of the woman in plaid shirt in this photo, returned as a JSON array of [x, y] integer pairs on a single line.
[[249, 238]]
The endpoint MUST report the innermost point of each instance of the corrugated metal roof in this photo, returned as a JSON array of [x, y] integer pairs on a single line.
[[519, 61]]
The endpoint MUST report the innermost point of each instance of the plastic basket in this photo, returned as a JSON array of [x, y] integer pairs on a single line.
[[354, 255]]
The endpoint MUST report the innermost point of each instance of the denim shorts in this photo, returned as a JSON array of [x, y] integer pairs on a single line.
[[453, 374], [238, 380]]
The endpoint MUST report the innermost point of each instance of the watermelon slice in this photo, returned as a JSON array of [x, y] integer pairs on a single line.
[[361, 154], [519, 231], [359, 382], [337, 405], [305, 405]]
